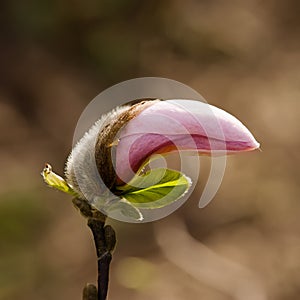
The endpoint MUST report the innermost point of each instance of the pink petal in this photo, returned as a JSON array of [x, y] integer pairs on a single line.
[[179, 125]]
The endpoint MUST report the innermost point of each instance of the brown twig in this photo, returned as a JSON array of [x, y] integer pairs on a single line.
[[105, 240]]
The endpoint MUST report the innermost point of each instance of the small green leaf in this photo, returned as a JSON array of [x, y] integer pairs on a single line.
[[156, 188], [124, 208], [55, 181]]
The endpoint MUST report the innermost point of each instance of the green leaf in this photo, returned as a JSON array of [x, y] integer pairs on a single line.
[[55, 181], [156, 188], [124, 208]]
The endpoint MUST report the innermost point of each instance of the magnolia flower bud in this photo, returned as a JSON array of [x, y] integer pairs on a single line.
[[120, 142]]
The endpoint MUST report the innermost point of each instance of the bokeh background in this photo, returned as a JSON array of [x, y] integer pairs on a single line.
[[243, 56]]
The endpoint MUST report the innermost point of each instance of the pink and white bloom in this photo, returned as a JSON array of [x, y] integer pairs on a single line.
[[174, 125], [122, 140]]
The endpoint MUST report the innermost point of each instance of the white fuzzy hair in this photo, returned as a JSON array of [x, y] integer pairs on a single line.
[[81, 170]]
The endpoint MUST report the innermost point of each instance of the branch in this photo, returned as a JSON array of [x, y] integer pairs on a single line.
[[105, 240]]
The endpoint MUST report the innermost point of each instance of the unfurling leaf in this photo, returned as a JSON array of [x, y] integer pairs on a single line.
[[155, 189], [126, 209], [55, 181]]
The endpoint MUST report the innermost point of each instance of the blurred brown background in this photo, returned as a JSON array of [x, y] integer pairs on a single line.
[[240, 55]]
